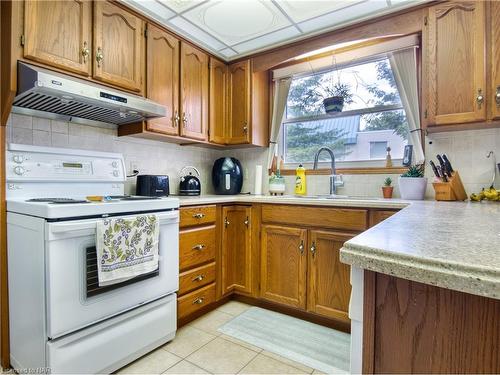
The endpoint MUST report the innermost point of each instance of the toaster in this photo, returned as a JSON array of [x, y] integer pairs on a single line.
[[152, 185]]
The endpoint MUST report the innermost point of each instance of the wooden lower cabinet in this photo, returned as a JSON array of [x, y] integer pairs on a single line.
[[284, 265], [192, 302], [329, 287], [236, 259]]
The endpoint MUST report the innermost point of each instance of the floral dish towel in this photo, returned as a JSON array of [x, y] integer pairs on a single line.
[[126, 247]]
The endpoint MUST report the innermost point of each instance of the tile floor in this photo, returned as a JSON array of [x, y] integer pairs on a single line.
[[200, 349]]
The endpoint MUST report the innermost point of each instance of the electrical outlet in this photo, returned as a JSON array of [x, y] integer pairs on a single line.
[[133, 165]]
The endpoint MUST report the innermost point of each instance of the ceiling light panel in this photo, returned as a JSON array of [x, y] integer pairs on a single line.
[[268, 39], [301, 10], [344, 16], [152, 8], [180, 6], [234, 22], [188, 29]]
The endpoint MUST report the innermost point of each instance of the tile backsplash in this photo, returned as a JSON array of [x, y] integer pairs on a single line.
[[147, 156], [467, 151]]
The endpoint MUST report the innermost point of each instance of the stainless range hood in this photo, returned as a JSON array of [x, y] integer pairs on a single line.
[[44, 93]]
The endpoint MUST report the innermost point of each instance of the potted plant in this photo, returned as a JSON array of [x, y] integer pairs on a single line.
[[336, 95], [412, 183], [387, 189]]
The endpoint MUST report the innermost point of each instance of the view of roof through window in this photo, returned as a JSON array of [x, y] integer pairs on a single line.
[[372, 114]]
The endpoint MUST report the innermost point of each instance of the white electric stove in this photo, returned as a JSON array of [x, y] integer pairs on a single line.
[[61, 320]]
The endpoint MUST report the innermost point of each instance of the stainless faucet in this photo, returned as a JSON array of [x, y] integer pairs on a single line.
[[333, 182]]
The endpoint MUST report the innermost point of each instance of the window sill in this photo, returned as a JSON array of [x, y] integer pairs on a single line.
[[345, 171]]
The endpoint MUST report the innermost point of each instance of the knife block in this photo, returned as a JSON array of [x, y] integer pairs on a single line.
[[453, 190]]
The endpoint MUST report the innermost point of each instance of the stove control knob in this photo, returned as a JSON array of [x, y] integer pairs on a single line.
[[18, 159], [19, 170], [114, 164], [115, 173]]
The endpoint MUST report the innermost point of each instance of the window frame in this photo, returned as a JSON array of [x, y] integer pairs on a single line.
[[351, 167]]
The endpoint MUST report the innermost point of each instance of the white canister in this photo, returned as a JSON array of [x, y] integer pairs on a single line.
[[258, 180]]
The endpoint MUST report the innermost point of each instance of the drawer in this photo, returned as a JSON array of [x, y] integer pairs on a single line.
[[196, 278], [196, 300], [198, 215], [196, 246], [322, 217]]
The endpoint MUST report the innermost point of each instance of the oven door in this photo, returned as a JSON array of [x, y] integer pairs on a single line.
[[74, 298]]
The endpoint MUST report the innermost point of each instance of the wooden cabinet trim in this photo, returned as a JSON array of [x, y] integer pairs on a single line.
[[494, 59]]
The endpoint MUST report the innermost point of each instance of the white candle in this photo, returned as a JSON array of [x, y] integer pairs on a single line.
[[258, 180]]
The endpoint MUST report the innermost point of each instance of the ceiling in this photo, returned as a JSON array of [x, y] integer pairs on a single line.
[[234, 28]]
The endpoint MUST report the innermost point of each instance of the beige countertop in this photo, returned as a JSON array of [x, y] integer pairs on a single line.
[[454, 245]]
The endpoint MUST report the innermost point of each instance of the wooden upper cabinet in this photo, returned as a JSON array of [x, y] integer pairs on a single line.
[[59, 34], [162, 84], [194, 92], [329, 287], [495, 59], [240, 95], [455, 63], [284, 265], [118, 46], [236, 256], [218, 101]]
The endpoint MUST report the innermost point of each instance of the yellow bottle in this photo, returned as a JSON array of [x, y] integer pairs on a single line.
[[300, 180]]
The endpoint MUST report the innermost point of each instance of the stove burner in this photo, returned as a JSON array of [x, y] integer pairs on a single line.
[[57, 200]]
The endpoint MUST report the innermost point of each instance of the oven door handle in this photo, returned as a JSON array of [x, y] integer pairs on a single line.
[[170, 217]]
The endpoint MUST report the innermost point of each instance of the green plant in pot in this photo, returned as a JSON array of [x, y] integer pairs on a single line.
[[336, 95], [387, 189], [412, 183]]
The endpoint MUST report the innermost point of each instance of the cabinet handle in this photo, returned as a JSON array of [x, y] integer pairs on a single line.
[[497, 96], [301, 247], [313, 249], [199, 216], [198, 278], [199, 301], [184, 119], [480, 97], [247, 222], [176, 119], [226, 222], [85, 52], [99, 56], [198, 247], [245, 127]]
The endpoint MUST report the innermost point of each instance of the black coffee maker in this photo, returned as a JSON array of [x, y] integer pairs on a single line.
[[227, 176]]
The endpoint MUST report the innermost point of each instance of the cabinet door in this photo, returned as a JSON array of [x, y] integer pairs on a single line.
[[329, 287], [118, 46], [495, 59], [194, 92], [59, 34], [218, 101], [239, 103], [284, 265], [163, 79], [455, 60], [236, 249]]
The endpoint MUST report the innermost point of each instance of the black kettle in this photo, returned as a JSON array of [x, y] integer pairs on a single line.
[[189, 184]]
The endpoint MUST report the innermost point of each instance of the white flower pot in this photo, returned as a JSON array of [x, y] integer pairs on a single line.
[[412, 188]]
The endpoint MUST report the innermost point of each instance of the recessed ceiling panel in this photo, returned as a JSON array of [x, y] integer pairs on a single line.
[[234, 28], [180, 5], [344, 16], [237, 21], [268, 39], [188, 29], [300, 10]]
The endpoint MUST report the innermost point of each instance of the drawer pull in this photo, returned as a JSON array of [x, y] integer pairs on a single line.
[[199, 301], [198, 247], [199, 278], [313, 249], [199, 216]]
